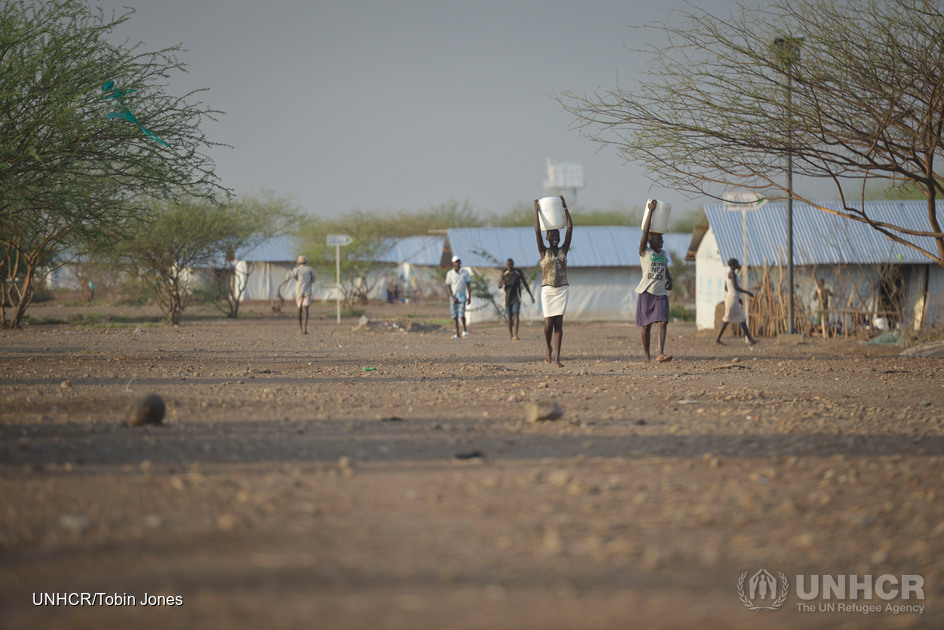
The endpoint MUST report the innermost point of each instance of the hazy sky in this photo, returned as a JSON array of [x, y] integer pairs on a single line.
[[404, 104]]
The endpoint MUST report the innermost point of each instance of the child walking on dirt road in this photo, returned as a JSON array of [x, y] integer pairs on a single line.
[[652, 303]]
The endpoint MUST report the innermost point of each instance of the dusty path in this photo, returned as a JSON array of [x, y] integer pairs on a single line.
[[290, 487]]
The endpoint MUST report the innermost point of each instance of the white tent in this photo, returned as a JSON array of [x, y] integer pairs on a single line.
[[266, 266], [602, 269], [412, 261], [416, 260]]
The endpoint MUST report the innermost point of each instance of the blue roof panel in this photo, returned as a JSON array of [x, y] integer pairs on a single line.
[[278, 248], [419, 250], [821, 237]]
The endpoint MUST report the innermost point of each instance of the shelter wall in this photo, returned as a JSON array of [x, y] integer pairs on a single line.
[[934, 306], [417, 283], [596, 294], [855, 287], [264, 279], [710, 271]]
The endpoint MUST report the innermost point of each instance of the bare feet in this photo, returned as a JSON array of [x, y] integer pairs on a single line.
[[559, 364], [515, 338], [718, 342], [547, 359], [664, 358]]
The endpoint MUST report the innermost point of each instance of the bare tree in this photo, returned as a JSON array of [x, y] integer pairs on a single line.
[[851, 90]]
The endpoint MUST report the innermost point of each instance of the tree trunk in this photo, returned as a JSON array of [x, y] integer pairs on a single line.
[[23, 299]]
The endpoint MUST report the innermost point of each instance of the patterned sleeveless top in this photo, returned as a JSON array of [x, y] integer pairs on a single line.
[[554, 269]]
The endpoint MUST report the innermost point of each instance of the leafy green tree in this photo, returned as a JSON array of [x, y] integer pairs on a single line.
[[359, 269], [372, 231], [182, 238], [74, 169], [251, 220], [847, 90]]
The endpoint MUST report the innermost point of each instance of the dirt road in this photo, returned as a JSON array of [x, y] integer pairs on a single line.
[[375, 478]]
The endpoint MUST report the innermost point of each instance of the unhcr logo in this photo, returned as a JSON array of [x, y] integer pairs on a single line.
[[897, 594], [762, 591]]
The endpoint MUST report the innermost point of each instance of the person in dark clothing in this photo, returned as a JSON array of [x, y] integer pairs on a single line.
[[512, 279]]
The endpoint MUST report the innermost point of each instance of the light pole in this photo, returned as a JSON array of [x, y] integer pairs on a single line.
[[789, 50]]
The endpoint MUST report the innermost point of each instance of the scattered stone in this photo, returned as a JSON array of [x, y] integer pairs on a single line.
[[552, 543], [147, 409], [74, 522], [934, 349], [711, 459], [153, 521], [421, 327], [226, 522], [543, 410], [558, 478], [469, 455]]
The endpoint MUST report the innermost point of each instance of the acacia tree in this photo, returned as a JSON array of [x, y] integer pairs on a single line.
[[372, 232], [251, 220], [848, 89], [360, 271], [71, 176], [180, 238]]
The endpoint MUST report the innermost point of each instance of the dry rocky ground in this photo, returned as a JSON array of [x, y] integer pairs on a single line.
[[368, 477]]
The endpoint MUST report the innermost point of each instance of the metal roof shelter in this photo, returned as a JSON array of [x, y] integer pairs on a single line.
[[275, 248], [819, 238], [849, 255], [418, 250], [602, 267]]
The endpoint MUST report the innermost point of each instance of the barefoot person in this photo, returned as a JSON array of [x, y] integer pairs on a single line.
[[512, 279], [554, 286], [733, 313], [304, 277], [652, 303]]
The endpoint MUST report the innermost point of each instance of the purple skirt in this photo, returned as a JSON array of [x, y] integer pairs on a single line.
[[651, 308]]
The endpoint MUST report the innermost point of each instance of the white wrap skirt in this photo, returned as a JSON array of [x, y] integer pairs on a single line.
[[554, 300]]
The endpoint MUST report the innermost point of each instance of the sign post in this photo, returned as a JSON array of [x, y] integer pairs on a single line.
[[743, 202], [339, 241]]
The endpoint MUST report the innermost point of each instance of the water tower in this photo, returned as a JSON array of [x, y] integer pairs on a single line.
[[563, 178]]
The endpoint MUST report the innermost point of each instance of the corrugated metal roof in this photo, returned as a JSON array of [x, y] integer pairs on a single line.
[[276, 249], [419, 250], [819, 237], [593, 246]]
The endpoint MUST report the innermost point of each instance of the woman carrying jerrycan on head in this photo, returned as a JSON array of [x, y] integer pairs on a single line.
[[652, 303], [554, 287]]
